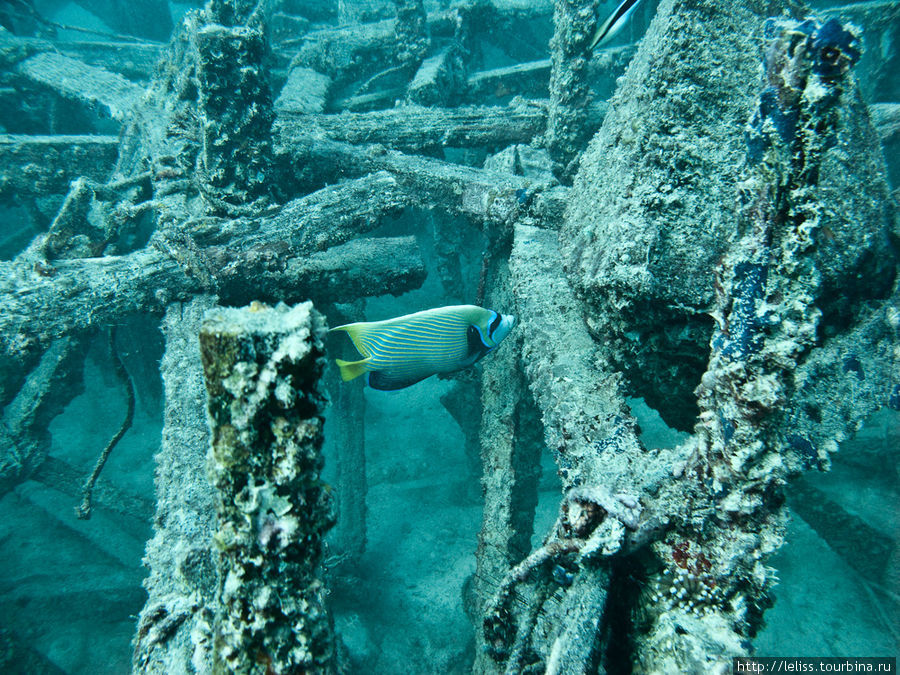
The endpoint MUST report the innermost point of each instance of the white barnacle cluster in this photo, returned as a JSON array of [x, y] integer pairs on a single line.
[[686, 582], [684, 588]]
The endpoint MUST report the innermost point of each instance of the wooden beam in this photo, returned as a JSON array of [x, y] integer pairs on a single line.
[[110, 93], [35, 166]]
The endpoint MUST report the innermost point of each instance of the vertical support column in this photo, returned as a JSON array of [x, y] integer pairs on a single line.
[[567, 128], [511, 468], [350, 442], [347, 428], [262, 367], [412, 32], [236, 114], [771, 405], [182, 582]]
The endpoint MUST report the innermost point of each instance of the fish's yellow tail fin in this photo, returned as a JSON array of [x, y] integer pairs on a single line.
[[350, 370]]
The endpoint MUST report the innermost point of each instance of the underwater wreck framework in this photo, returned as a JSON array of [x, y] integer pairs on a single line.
[[284, 192]]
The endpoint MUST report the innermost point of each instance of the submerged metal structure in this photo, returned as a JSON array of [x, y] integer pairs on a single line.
[[708, 250], [765, 234]]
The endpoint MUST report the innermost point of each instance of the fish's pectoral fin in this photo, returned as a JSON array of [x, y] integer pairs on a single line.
[[383, 381], [350, 370]]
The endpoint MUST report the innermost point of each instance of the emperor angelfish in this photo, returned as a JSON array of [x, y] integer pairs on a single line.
[[402, 351], [614, 22]]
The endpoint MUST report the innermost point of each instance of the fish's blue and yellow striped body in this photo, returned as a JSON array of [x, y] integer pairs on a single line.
[[402, 351]]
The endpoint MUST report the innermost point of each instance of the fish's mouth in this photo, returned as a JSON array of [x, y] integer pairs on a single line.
[[507, 322]]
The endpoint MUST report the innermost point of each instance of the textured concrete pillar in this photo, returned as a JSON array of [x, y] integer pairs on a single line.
[[412, 32], [570, 93], [262, 367], [182, 582], [347, 435], [236, 113], [510, 455]]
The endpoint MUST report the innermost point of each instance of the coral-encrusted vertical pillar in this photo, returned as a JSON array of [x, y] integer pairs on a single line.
[[182, 580], [236, 114], [570, 92], [412, 32], [262, 367], [231, 12], [769, 407]]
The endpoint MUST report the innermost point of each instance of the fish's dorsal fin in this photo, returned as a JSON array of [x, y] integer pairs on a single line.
[[350, 370], [465, 314], [470, 313]]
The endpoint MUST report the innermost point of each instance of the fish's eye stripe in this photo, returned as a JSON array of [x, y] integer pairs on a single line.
[[495, 324]]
